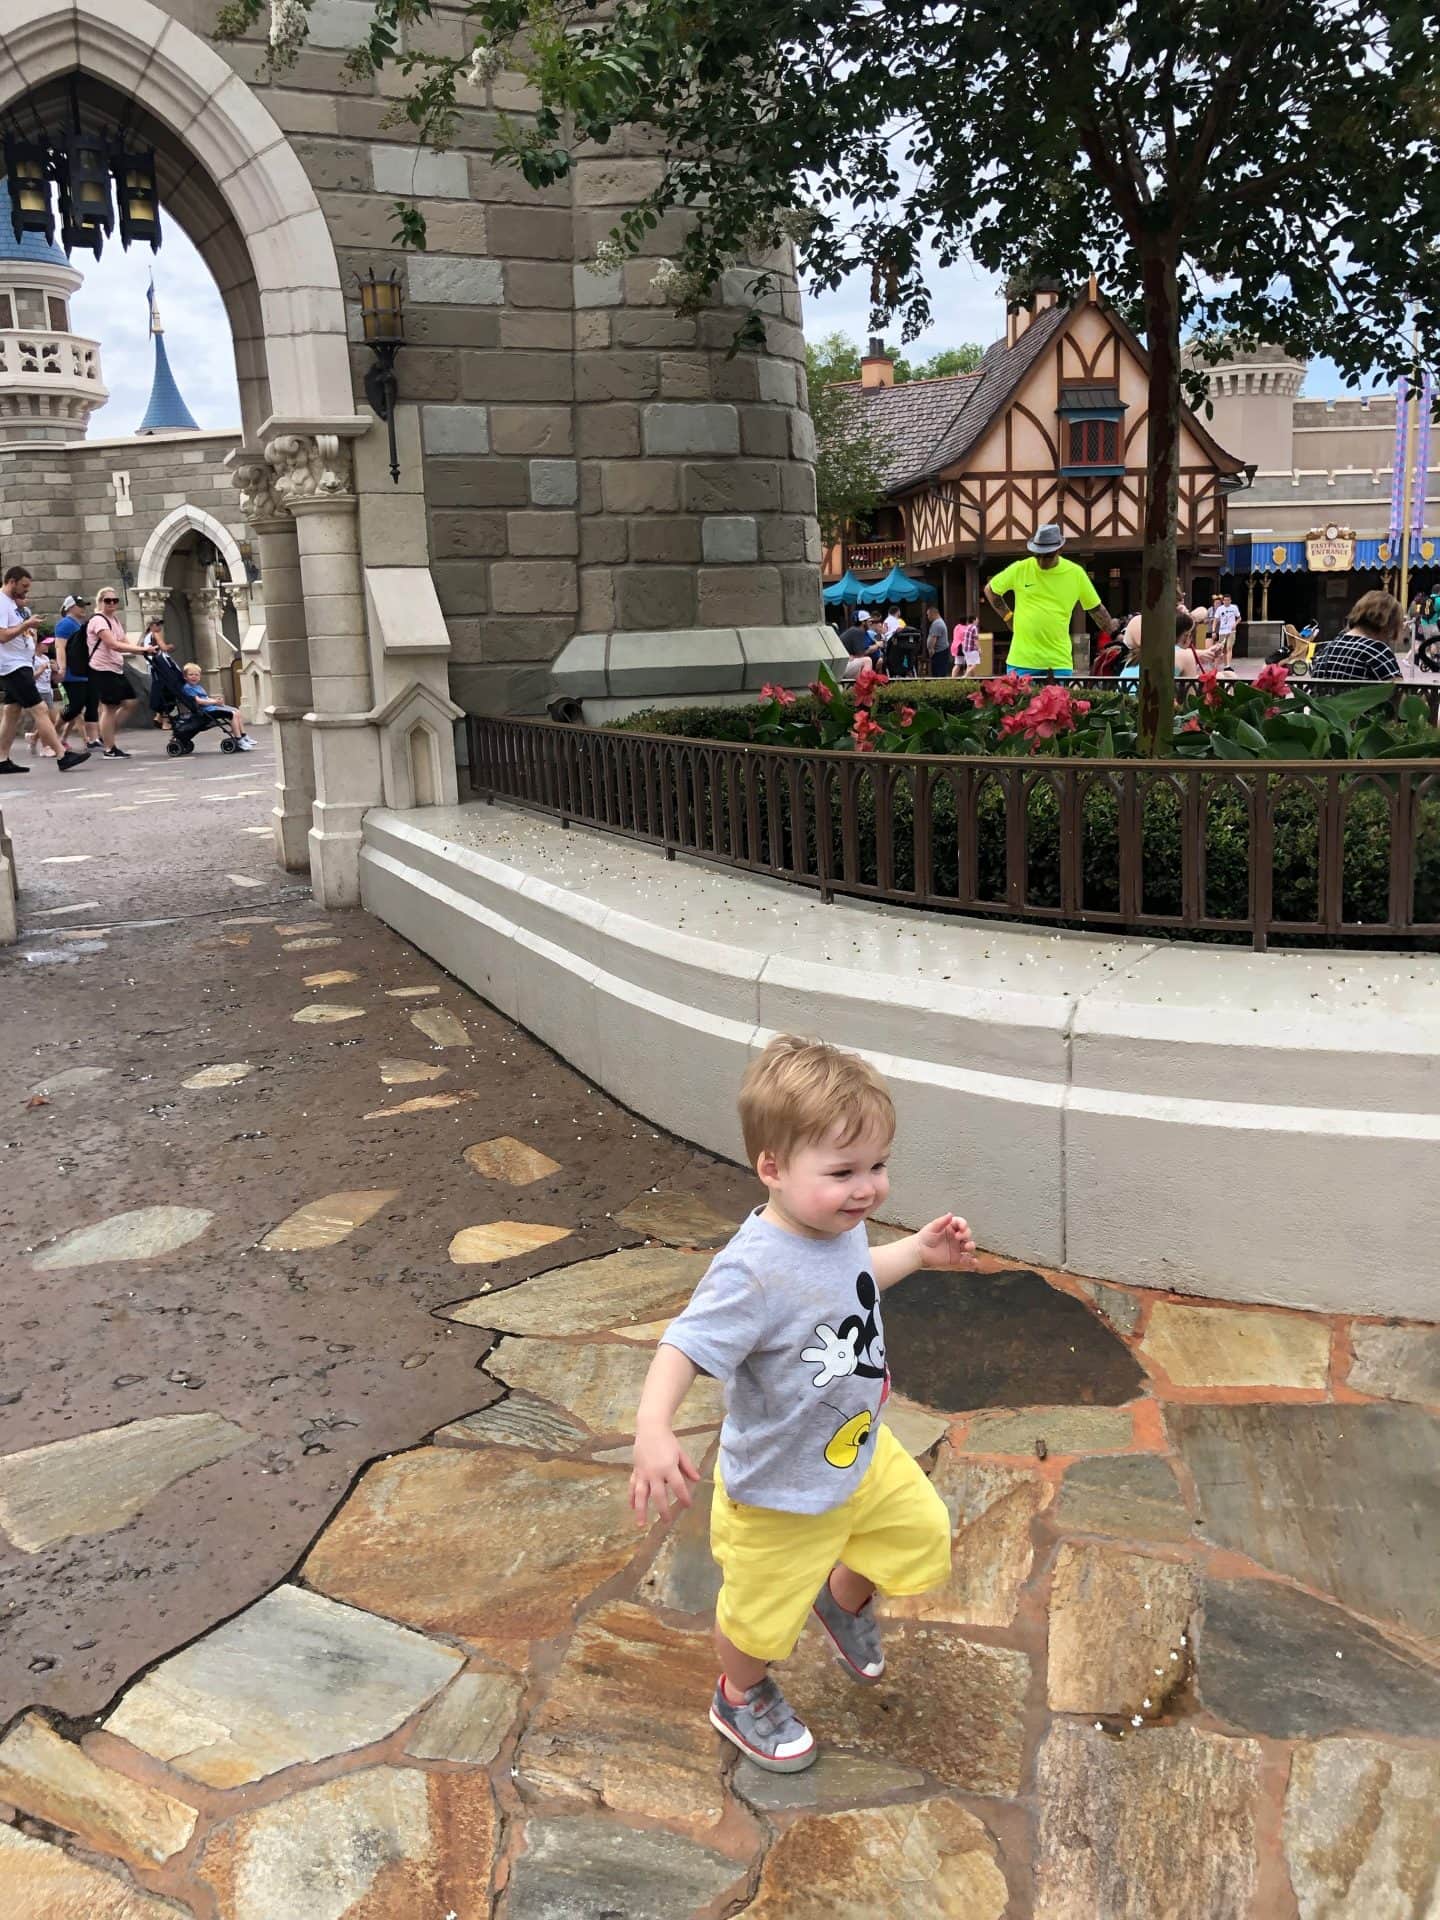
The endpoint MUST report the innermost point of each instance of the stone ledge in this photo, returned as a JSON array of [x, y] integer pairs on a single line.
[[617, 673], [577, 936]]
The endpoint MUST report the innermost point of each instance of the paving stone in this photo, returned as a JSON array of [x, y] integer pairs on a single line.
[[338, 977], [590, 1868], [598, 1384], [683, 1575], [1340, 1498], [425, 1103], [1161, 1822], [835, 1780], [326, 1014], [1362, 1839], [591, 1295], [1397, 1363], [70, 1078], [292, 1679], [39, 1882], [139, 1234], [929, 1860], [385, 1841], [916, 1428], [326, 1222], [1062, 1430], [518, 1421], [1234, 1347], [947, 1705], [1121, 1309], [308, 945], [500, 1240], [406, 1073], [991, 1509], [470, 1720], [1268, 1664], [303, 926], [1115, 1618], [624, 1723], [510, 1160], [958, 1341], [441, 1026], [99, 1481], [679, 1219], [224, 1076], [409, 993], [698, 1442], [494, 1546], [1134, 1495], [53, 1780]]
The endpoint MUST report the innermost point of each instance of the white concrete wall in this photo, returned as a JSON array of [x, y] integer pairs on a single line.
[[1250, 1127]]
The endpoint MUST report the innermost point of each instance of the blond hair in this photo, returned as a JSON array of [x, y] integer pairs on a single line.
[[191, 666], [799, 1090]]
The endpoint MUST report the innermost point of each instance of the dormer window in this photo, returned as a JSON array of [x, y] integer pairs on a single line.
[[1091, 419], [1092, 443]]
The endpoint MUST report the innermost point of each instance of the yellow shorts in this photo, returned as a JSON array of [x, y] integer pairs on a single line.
[[893, 1531]]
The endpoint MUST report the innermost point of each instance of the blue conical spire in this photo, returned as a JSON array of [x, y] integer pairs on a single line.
[[30, 246], [167, 412]]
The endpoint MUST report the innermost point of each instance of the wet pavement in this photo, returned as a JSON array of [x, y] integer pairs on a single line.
[[330, 1296]]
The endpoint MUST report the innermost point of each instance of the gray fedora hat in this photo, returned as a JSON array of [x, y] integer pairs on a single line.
[[1048, 539]]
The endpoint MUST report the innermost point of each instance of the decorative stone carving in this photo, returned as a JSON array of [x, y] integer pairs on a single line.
[[309, 467], [152, 601], [236, 594], [255, 483]]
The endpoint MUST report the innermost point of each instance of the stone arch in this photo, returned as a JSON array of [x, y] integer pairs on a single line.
[[244, 198], [172, 530]]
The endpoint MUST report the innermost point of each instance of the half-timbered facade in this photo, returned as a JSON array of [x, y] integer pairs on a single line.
[[1052, 426]]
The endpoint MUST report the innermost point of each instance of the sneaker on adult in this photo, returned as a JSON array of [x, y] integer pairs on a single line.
[[854, 1637], [9, 766], [115, 753], [765, 1727], [69, 760]]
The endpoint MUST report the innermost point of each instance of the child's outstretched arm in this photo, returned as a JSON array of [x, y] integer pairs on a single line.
[[662, 1467], [946, 1242]]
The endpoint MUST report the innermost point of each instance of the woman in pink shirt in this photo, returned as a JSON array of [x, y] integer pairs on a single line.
[[108, 648]]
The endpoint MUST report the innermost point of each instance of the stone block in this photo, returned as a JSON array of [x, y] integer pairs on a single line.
[[686, 376], [459, 429], [802, 437], [616, 183], [530, 232], [430, 373], [640, 486], [733, 377], [677, 429], [451, 327], [457, 226], [739, 596], [656, 598], [395, 524], [700, 660], [597, 599], [554, 483], [667, 537], [539, 283], [775, 381], [531, 430], [784, 538], [335, 166], [463, 534], [652, 327], [514, 376], [603, 542], [533, 586], [461, 586], [765, 433], [538, 327], [480, 482], [542, 533], [797, 489], [1361, 1838], [450, 280], [500, 182], [419, 173], [607, 433], [802, 594], [731, 486], [515, 688], [592, 330], [614, 376], [731, 539], [591, 289]]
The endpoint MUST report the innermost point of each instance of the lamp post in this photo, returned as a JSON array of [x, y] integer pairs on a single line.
[[382, 316]]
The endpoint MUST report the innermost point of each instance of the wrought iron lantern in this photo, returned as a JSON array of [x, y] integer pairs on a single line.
[[138, 197], [382, 316], [122, 567], [87, 212], [27, 168]]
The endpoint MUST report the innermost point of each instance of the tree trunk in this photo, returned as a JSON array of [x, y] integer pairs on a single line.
[[1158, 589]]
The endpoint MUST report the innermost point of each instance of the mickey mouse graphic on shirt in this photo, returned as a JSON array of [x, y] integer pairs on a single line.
[[854, 1349]]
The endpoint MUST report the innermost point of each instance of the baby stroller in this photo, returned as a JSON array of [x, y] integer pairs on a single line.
[[186, 720]]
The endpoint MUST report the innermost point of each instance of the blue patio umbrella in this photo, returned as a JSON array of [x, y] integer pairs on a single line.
[[846, 592], [897, 585]]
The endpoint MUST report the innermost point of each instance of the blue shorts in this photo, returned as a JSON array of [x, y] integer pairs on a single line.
[[1043, 673]]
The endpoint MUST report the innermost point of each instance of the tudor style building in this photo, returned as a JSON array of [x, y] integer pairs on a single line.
[[1051, 426]]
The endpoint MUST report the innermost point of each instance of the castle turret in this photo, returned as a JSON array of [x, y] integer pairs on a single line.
[[1253, 396], [50, 380], [167, 411]]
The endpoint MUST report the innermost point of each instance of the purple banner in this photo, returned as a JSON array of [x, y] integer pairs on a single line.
[[1397, 464], [1422, 458]]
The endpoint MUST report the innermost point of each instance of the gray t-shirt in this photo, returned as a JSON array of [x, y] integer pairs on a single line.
[[791, 1327]]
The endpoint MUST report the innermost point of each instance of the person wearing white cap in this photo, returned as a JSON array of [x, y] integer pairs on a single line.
[[1047, 588], [73, 651]]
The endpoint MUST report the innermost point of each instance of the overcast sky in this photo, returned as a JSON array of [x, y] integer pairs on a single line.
[[111, 308]]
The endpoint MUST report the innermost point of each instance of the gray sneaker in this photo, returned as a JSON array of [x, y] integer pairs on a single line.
[[854, 1636], [765, 1728]]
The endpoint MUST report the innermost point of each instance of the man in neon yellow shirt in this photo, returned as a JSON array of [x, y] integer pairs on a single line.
[[1046, 590]]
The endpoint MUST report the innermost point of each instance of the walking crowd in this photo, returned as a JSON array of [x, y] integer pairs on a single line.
[[82, 662]]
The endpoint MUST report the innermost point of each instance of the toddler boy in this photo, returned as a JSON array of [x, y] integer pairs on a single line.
[[200, 699], [816, 1506]]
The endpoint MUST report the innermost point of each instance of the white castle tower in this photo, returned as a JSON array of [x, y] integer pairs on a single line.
[[50, 380]]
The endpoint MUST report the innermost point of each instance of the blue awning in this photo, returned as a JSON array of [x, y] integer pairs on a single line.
[[1372, 555], [846, 592], [897, 585]]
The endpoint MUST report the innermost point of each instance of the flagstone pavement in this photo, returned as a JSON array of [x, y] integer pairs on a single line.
[[1186, 1667]]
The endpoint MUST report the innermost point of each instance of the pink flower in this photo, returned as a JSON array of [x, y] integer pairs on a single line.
[[1270, 712], [1192, 725], [1049, 713], [1003, 692], [1273, 679], [907, 714], [977, 700], [821, 692], [1210, 689], [781, 695], [866, 731], [866, 682]]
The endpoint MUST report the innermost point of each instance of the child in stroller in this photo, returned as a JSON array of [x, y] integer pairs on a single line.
[[190, 708]]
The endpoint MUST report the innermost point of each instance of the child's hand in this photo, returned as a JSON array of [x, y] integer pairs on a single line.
[[946, 1242], [662, 1469]]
